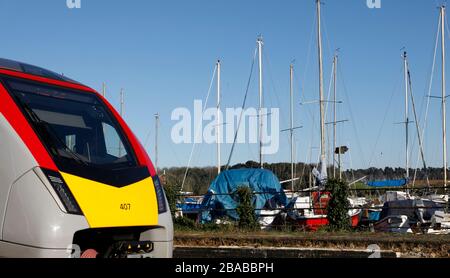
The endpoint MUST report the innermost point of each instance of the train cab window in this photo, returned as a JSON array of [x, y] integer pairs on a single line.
[[114, 146], [76, 127]]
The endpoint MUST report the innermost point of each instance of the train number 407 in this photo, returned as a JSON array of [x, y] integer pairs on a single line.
[[125, 206]]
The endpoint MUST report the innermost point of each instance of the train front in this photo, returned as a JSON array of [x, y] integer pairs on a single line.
[[85, 185]]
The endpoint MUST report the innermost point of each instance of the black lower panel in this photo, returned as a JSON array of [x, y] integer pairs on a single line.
[[115, 177]]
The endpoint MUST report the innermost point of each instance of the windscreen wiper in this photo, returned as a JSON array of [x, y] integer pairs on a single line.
[[53, 136], [72, 153]]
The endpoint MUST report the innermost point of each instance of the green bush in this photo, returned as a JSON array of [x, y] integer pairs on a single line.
[[245, 209], [337, 211], [184, 223], [172, 198]]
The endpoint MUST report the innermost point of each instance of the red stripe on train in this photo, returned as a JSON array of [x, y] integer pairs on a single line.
[[22, 127]]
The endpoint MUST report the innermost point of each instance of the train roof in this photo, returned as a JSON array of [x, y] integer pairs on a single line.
[[34, 70]]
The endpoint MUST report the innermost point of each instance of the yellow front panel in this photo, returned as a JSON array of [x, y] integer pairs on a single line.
[[108, 206]]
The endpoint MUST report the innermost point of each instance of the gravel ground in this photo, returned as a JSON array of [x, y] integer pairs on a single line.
[[407, 245]]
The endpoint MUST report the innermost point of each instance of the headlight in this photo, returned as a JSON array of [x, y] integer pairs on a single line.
[[63, 191], [160, 196]]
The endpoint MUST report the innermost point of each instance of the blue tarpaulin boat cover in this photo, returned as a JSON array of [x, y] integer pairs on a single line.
[[258, 180], [190, 205], [388, 183]]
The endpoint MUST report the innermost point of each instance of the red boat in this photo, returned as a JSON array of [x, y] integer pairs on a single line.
[[312, 211]]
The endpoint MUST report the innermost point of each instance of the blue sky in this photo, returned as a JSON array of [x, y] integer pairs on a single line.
[[163, 53]]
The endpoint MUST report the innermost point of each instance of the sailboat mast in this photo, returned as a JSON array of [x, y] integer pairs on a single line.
[[335, 61], [321, 99], [416, 120], [156, 140], [291, 90], [121, 102], [218, 118], [121, 114], [444, 125], [405, 62], [260, 116], [103, 89]]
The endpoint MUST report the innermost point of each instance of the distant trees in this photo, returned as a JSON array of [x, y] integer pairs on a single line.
[[395, 173], [197, 180]]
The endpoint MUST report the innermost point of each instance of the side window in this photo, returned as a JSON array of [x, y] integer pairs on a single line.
[[113, 142], [71, 141]]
